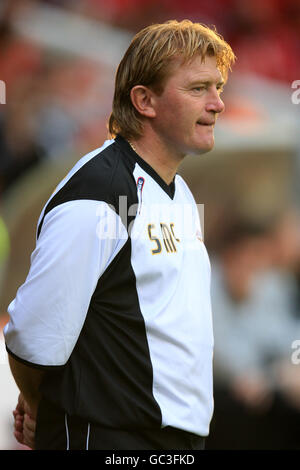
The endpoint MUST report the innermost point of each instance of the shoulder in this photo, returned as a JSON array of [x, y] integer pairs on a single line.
[[96, 175], [101, 175]]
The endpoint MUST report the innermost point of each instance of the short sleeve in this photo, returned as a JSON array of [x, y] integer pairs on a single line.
[[75, 246]]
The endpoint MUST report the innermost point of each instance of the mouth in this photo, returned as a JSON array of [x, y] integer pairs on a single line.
[[206, 123]]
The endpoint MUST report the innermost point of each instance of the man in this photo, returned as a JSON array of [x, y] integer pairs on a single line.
[[110, 338]]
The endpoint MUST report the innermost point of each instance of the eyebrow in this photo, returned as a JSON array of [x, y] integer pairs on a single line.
[[208, 82]]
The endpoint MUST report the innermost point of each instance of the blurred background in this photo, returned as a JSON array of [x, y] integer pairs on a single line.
[[57, 67]]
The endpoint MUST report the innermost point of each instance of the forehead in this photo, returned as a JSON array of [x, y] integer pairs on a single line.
[[195, 69]]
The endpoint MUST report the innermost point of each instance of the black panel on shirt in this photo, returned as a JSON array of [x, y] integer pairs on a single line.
[[104, 177]]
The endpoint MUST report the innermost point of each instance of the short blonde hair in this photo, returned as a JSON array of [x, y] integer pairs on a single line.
[[147, 62]]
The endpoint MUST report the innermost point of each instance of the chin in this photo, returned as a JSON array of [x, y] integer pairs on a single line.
[[203, 148]]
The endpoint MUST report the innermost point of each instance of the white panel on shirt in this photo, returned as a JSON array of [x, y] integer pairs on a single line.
[[72, 252], [174, 295]]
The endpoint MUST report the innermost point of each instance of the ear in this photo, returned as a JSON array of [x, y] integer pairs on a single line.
[[141, 98]]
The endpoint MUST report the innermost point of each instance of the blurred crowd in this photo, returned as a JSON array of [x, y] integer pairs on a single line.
[[273, 24], [56, 104], [256, 314]]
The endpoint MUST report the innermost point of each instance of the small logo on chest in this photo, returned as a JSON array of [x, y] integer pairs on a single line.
[[163, 238]]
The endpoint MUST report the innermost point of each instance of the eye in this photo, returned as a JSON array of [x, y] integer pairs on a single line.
[[220, 89], [199, 88]]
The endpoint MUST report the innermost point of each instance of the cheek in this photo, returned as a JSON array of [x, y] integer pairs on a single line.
[[172, 117], [177, 117], [182, 116]]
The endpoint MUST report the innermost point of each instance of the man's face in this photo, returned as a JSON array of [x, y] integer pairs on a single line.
[[187, 109]]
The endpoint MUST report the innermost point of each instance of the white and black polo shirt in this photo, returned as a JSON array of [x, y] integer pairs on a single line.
[[116, 305]]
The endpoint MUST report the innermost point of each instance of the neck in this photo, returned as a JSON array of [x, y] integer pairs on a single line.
[[164, 162]]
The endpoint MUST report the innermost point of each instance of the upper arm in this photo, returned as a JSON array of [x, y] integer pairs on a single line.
[[73, 250]]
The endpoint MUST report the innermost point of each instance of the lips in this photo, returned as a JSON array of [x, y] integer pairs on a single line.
[[206, 123]]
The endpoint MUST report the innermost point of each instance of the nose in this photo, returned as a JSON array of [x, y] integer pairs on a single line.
[[214, 103]]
